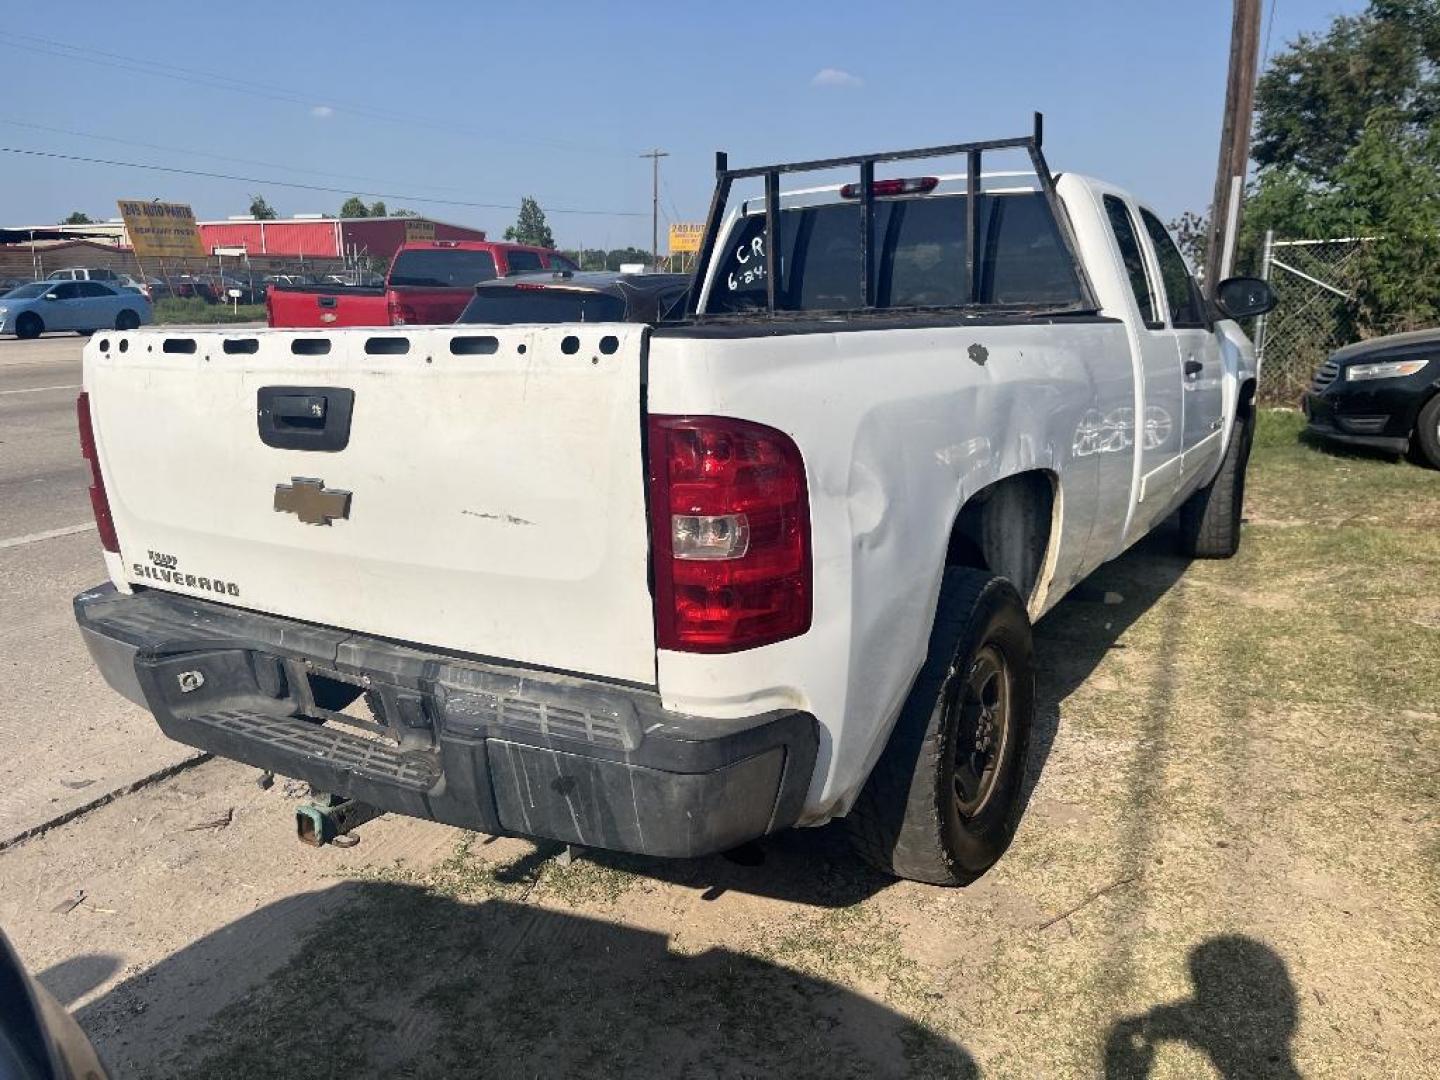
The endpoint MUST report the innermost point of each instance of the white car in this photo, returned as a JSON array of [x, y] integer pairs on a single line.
[[82, 306], [669, 588]]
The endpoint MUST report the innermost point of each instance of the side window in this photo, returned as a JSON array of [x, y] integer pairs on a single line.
[[1180, 290], [93, 288], [523, 262], [1131, 254], [67, 291]]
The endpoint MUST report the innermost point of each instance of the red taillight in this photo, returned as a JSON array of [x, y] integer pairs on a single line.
[[99, 501], [730, 529], [401, 314], [915, 185]]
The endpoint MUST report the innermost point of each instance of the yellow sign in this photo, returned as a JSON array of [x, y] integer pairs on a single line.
[[685, 237], [161, 230], [419, 230]]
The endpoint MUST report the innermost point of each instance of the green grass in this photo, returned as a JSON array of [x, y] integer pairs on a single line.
[[194, 310]]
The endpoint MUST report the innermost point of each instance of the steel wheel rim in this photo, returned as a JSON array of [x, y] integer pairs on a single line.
[[981, 703]]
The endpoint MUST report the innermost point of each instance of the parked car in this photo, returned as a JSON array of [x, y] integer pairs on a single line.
[[428, 282], [250, 286], [82, 306], [85, 273], [669, 587], [576, 296], [1383, 393]]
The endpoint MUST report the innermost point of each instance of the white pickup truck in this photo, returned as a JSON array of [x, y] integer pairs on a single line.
[[667, 588]]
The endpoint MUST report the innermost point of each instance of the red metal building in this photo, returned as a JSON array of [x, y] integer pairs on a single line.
[[327, 238]]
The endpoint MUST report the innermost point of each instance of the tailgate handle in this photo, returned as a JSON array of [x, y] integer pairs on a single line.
[[305, 417], [325, 301]]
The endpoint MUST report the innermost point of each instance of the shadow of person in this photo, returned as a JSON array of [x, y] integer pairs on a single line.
[[1242, 1015], [389, 979], [72, 979]]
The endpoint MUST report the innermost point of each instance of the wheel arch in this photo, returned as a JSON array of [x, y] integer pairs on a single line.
[[1010, 528]]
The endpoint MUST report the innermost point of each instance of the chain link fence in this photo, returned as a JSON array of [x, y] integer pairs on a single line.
[[1315, 282]]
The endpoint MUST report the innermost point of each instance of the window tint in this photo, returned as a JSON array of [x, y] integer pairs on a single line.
[[1131, 255], [443, 268], [560, 262], [67, 291], [93, 288], [523, 262], [919, 256], [1179, 288], [505, 306]]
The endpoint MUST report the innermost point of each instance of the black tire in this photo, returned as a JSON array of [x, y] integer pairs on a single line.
[[29, 325], [1210, 518], [85, 333], [921, 815], [127, 320], [1426, 441]]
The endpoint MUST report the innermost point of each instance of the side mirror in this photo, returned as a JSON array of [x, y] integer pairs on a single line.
[[1243, 297]]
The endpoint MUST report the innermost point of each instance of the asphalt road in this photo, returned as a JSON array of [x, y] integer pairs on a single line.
[[68, 739]]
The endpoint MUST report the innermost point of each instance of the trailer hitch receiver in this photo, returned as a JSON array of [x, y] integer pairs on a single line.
[[329, 816]]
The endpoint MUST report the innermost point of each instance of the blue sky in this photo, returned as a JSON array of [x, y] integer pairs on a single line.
[[558, 100]]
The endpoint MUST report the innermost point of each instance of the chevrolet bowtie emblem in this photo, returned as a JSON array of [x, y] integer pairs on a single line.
[[311, 501]]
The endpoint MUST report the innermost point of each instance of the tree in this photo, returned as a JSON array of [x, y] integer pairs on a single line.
[[400, 211], [1314, 101], [1191, 230], [530, 226], [377, 209], [260, 209], [353, 207], [1347, 145], [78, 217], [619, 256]]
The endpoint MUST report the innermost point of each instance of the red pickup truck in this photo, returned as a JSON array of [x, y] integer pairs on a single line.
[[428, 283]]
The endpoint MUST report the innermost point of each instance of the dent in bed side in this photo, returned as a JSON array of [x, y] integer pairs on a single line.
[[899, 430]]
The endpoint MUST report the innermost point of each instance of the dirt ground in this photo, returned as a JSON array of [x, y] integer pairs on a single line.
[[1229, 866]]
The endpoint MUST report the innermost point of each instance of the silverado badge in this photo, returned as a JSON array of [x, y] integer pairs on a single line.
[[311, 501]]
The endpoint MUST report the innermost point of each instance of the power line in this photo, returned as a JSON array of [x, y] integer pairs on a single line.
[[65, 51], [216, 157], [306, 187], [1269, 25]]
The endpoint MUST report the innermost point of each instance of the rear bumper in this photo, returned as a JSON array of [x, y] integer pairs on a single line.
[[479, 745]]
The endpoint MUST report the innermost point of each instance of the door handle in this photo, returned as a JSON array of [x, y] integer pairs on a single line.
[[305, 417], [1193, 368]]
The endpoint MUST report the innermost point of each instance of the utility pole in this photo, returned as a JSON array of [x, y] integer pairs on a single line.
[[1234, 143], [655, 156]]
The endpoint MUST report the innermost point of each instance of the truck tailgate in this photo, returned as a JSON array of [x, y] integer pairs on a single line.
[[496, 486]]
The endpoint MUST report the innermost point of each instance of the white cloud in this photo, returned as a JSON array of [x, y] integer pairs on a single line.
[[836, 77], [322, 112]]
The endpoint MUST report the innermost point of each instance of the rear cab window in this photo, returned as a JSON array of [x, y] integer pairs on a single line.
[[519, 304], [919, 256], [442, 268]]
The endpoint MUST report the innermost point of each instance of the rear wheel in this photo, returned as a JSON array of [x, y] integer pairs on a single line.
[[29, 325], [1210, 518], [1426, 440], [943, 801], [127, 320]]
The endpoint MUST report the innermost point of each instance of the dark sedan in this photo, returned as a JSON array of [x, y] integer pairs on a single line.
[[577, 296], [1383, 393]]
